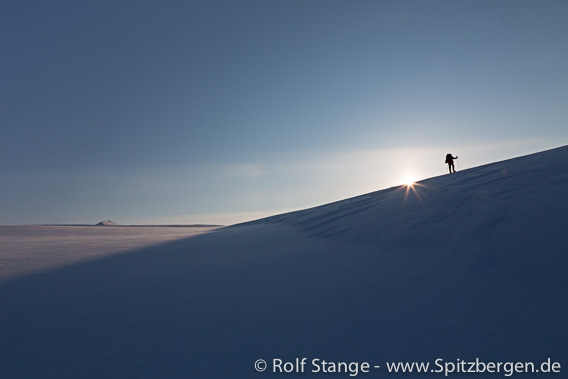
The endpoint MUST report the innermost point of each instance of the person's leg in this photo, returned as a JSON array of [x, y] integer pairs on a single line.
[[450, 167]]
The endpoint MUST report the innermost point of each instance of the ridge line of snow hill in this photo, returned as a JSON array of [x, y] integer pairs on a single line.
[[449, 205]]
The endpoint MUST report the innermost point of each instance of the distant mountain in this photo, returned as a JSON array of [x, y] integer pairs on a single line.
[[107, 223]]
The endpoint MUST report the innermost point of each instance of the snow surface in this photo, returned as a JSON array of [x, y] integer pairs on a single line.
[[470, 265], [28, 249]]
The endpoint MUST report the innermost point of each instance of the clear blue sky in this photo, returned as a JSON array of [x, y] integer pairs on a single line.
[[224, 111]]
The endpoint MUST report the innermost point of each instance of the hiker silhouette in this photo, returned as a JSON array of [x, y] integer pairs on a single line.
[[450, 162]]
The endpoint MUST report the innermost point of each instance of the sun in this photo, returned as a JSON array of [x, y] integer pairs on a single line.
[[409, 180]]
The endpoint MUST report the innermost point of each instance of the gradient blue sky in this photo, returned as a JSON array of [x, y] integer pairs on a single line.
[[224, 111]]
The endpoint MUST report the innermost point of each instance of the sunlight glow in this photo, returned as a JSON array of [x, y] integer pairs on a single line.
[[413, 192], [409, 180]]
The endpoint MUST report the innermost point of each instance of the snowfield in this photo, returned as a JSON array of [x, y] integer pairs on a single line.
[[28, 249], [465, 266]]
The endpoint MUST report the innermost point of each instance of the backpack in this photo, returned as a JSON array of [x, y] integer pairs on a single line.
[[449, 158]]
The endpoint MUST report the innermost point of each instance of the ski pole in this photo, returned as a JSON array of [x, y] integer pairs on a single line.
[[458, 163]]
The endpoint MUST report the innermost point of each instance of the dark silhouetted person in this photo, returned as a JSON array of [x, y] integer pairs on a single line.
[[450, 162]]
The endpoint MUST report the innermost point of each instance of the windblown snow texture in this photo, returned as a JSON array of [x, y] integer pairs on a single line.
[[461, 266]]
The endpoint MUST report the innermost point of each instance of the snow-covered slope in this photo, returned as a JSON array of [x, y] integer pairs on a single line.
[[464, 266]]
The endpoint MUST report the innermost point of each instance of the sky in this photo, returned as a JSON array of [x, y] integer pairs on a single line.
[[182, 112]]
